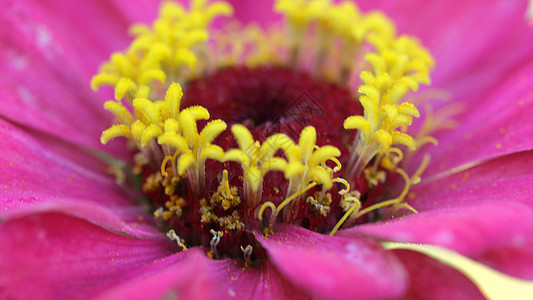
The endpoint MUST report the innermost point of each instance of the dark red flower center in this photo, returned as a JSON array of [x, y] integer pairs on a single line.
[[266, 100]]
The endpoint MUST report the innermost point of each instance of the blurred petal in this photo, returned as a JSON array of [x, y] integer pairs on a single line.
[[228, 279], [65, 257], [515, 260], [198, 277], [431, 279], [497, 39], [497, 35], [332, 267], [182, 275], [260, 12]]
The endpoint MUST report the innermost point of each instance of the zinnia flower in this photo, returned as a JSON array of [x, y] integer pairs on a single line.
[[272, 161]]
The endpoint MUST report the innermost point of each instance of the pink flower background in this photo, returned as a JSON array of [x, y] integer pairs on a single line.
[[67, 229]]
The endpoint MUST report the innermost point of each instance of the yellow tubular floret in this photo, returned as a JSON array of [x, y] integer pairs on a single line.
[[170, 45], [398, 66], [176, 130], [301, 12], [246, 156], [173, 99], [175, 140], [137, 129], [256, 159], [147, 111], [149, 133], [103, 79], [115, 131], [119, 111], [123, 86], [306, 162], [187, 120], [211, 131]]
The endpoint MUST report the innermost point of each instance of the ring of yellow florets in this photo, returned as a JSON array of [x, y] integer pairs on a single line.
[[389, 67]]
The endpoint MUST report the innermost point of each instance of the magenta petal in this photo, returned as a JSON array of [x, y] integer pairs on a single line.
[[468, 229], [59, 256], [495, 124], [515, 260], [333, 267], [506, 178], [230, 280], [32, 169], [50, 51], [258, 12], [182, 275], [43, 174], [197, 277], [42, 84], [132, 222], [430, 279]]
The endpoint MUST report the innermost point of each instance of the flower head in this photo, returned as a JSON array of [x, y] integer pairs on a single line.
[[281, 158]]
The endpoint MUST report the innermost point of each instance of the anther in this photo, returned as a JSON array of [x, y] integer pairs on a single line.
[[214, 242], [171, 234]]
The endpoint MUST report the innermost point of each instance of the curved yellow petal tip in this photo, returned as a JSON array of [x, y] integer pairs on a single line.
[[115, 131], [123, 86], [103, 79]]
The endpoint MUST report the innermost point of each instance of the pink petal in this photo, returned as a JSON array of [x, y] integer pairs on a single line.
[[259, 12], [65, 257], [495, 124], [72, 36], [180, 275], [431, 279], [332, 267], [502, 179], [197, 277], [515, 260], [131, 221], [48, 59], [31, 168], [39, 176], [468, 229], [229, 279]]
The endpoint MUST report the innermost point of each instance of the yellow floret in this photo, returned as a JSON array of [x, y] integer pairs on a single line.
[[256, 159], [164, 51], [398, 66]]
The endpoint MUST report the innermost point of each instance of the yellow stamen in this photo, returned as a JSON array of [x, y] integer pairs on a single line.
[[353, 209], [397, 202], [164, 165], [350, 202], [285, 202]]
